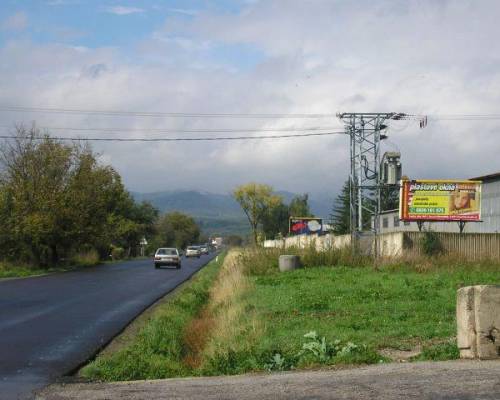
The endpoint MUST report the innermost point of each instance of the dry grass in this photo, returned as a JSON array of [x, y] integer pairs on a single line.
[[86, 258], [195, 338], [234, 327]]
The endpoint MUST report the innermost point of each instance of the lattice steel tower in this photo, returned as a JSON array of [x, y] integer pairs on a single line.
[[365, 130]]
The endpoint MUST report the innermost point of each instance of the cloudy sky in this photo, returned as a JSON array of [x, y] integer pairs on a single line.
[[431, 57]]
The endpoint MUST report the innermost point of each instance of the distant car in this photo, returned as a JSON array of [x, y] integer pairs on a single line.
[[193, 251], [204, 249], [167, 256]]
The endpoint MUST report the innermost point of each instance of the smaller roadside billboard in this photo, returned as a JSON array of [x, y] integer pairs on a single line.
[[305, 225], [440, 200]]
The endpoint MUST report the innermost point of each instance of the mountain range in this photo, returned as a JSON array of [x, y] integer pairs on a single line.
[[219, 213]]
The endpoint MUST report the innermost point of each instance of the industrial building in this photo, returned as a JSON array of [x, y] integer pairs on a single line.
[[490, 213]]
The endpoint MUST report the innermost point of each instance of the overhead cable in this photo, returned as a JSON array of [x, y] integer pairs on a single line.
[[177, 139]]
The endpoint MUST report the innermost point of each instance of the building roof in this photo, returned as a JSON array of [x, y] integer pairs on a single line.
[[488, 177]]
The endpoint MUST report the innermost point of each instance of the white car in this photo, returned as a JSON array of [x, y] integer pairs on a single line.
[[167, 256], [204, 249], [193, 251]]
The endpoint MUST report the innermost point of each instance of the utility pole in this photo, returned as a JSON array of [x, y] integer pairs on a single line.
[[365, 134]]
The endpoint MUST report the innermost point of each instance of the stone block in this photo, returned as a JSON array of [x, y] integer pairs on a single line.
[[478, 321], [288, 262]]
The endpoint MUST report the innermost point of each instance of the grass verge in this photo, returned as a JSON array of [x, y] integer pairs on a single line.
[[159, 350], [338, 310], [80, 260]]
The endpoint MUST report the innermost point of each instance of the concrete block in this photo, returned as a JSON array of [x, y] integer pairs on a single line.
[[466, 331], [478, 321], [289, 263], [487, 315]]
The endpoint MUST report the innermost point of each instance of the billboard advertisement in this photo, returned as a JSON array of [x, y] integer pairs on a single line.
[[440, 200], [305, 225]]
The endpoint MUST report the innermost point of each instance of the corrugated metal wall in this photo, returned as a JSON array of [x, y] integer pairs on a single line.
[[471, 246]]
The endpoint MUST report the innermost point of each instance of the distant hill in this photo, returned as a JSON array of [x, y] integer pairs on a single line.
[[218, 213]]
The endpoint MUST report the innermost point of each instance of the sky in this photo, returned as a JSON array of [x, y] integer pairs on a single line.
[[432, 57]]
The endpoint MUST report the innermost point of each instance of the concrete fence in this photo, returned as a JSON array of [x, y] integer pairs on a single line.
[[321, 243], [470, 246]]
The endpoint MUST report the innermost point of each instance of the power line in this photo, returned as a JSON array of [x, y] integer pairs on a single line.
[[121, 113], [177, 139], [164, 130], [464, 117]]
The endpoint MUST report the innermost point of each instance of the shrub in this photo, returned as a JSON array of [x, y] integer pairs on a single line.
[[430, 243], [117, 253], [86, 258]]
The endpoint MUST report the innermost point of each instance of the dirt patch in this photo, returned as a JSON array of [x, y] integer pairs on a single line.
[[397, 355], [195, 337]]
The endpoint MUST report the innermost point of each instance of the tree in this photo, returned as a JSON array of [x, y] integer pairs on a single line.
[[177, 230], [56, 200], [276, 220], [255, 199], [340, 216], [389, 198], [299, 206], [233, 241]]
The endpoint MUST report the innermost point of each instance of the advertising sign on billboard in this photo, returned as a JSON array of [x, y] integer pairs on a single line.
[[440, 200], [305, 225]]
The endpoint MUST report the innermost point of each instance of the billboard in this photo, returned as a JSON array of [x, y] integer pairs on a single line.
[[305, 225], [440, 200]]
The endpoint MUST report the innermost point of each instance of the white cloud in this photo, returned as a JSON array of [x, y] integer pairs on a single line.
[[16, 22], [408, 56], [62, 2], [123, 10], [184, 11]]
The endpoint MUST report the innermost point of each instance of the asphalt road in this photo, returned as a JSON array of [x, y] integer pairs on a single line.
[[52, 324]]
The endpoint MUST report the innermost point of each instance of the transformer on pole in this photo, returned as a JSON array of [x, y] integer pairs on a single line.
[[365, 182]]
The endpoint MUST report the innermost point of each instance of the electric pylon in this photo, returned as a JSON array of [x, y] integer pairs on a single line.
[[365, 131]]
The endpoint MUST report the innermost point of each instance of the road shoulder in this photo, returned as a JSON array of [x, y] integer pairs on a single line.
[[420, 380]]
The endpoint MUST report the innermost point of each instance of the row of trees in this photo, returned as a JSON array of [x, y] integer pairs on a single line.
[[57, 200], [175, 229], [266, 211]]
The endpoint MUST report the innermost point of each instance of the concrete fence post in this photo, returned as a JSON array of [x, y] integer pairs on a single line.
[[478, 321], [288, 263]]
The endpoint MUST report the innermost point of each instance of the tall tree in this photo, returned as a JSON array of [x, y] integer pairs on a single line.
[[299, 206], [56, 199], [276, 220], [340, 216], [255, 199], [389, 198]]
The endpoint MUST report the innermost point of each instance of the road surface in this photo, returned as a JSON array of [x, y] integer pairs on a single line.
[[50, 325], [449, 380]]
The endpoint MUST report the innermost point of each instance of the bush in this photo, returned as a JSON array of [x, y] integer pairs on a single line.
[[430, 243], [86, 258], [117, 253]]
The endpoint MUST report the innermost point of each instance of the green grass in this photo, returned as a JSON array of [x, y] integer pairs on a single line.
[[343, 312], [399, 306], [80, 260], [158, 350], [7, 271]]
